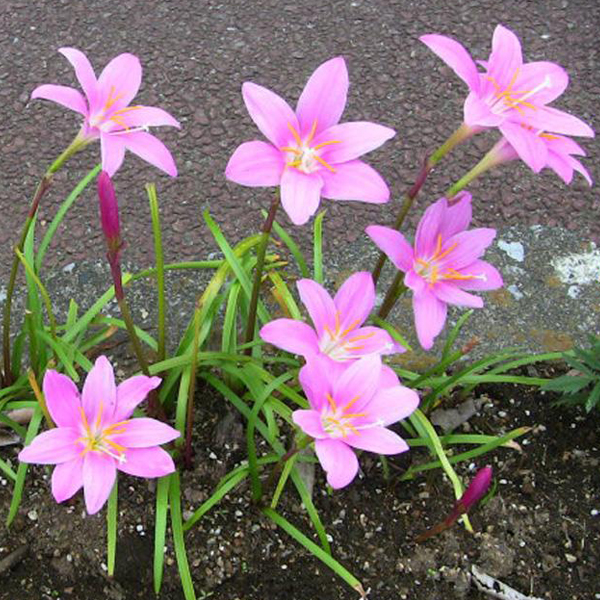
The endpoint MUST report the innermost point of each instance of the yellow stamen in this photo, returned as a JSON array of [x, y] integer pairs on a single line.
[[290, 149], [116, 446], [295, 163], [97, 424], [322, 144], [325, 164], [337, 321], [351, 403], [328, 330], [352, 429], [356, 338], [312, 132], [295, 134], [354, 415], [331, 402], [350, 328]]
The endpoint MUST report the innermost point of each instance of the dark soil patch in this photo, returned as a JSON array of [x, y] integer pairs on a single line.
[[539, 532]]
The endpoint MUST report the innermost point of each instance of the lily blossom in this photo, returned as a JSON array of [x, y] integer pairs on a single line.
[[443, 264], [558, 156], [509, 92], [309, 154], [107, 113], [95, 434], [338, 333], [350, 410]]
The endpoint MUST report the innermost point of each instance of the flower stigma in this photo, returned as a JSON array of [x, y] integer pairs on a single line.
[[338, 422], [337, 345], [97, 438]]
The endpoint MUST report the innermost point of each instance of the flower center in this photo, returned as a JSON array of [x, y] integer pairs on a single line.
[[338, 422], [507, 99], [338, 344], [432, 271], [107, 123], [303, 156], [97, 438]]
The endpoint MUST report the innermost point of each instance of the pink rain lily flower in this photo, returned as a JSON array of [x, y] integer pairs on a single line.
[[443, 264], [559, 155], [338, 333], [351, 411], [309, 154], [510, 92], [107, 113], [95, 434]]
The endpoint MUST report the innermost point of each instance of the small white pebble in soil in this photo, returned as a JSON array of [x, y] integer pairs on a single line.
[[283, 567], [525, 442], [212, 456], [139, 528], [32, 515], [238, 513], [502, 414], [570, 558], [103, 567], [528, 412], [3, 482], [69, 558], [329, 538], [594, 512], [503, 481], [522, 544]]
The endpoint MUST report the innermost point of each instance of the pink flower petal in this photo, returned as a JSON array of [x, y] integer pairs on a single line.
[[131, 392], [576, 166], [99, 474], [62, 399], [455, 56], [478, 113], [63, 95], [147, 462], [144, 432], [319, 304], [452, 294], [99, 389], [290, 335], [528, 145], [355, 139], [147, 116], [550, 80], [551, 119], [426, 236], [150, 149], [488, 277], [360, 380], [414, 282], [256, 164], [120, 81], [338, 461], [113, 152], [67, 479], [506, 57], [324, 97], [354, 180], [379, 440], [84, 73], [387, 378], [393, 244], [371, 340], [458, 216], [300, 194], [52, 447], [271, 113], [310, 422], [392, 404], [314, 379], [430, 316], [468, 247], [354, 300]]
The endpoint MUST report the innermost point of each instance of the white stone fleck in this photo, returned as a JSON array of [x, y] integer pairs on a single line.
[[578, 268], [515, 250], [515, 291], [573, 291]]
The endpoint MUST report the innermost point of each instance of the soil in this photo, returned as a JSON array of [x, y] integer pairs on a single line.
[[538, 532]]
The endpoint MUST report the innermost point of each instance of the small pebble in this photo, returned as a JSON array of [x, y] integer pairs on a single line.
[[139, 527], [570, 558], [594, 512], [32, 515], [502, 414]]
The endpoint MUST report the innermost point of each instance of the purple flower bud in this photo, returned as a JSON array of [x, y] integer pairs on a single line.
[[477, 488], [109, 214]]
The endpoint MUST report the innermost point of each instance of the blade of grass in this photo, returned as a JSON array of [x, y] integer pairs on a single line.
[[318, 248], [292, 246], [328, 560], [6, 469], [160, 530], [178, 540], [15, 502], [111, 528]]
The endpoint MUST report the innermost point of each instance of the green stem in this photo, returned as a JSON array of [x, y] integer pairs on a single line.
[[41, 189], [491, 159], [260, 261], [187, 454], [461, 134], [111, 529], [160, 270], [394, 292]]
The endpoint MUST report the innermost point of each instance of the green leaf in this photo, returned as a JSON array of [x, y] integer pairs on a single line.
[[160, 530], [111, 528], [292, 246], [318, 248], [593, 398]]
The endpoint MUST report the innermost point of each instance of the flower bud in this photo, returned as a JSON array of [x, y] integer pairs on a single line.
[[109, 215], [477, 488]]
